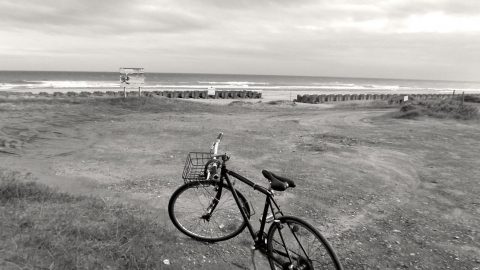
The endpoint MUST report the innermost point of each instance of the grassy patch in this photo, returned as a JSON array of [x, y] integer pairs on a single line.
[[281, 102], [374, 104], [42, 228], [239, 103], [110, 104], [470, 98], [439, 109]]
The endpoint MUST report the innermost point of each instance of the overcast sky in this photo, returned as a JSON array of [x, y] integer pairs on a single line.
[[424, 39]]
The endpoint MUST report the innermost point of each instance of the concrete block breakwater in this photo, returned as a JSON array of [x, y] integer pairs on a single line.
[[195, 94], [394, 98]]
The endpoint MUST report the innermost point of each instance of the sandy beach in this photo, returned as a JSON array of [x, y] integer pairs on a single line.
[[387, 193]]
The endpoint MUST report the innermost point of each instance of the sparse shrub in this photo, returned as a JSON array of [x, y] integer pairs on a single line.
[[446, 108], [281, 102], [410, 114], [374, 104], [473, 99], [466, 112], [408, 107], [239, 103]]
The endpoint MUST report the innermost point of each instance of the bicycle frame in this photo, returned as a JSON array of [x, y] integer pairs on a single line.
[[259, 238]]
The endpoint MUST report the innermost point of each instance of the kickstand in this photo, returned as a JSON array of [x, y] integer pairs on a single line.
[[253, 258]]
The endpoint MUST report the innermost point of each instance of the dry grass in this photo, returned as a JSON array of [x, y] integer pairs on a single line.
[[281, 102], [438, 109], [375, 104], [240, 103], [44, 229], [116, 104], [469, 98]]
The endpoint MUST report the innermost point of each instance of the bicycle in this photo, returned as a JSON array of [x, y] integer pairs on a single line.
[[208, 208]]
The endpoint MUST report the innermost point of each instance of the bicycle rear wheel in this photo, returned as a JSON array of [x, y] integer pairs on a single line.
[[207, 211], [294, 244]]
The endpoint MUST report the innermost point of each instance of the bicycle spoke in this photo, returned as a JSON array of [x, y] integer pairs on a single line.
[[193, 211], [296, 245]]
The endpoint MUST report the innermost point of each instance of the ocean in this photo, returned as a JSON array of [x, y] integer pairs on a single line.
[[50, 81]]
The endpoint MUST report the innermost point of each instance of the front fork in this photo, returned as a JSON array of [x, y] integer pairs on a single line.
[[213, 204]]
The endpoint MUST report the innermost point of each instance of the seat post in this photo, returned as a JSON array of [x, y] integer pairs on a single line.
[[264, 216]]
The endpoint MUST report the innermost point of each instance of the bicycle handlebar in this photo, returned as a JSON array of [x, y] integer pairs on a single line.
[[214, 148], [213, 151]]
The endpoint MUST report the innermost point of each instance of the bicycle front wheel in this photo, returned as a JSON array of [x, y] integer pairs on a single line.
[[207, 211], [294, 244]]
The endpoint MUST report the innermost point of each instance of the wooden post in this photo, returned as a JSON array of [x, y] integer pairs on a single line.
[[124, 92], [463, 97], [139, 92]]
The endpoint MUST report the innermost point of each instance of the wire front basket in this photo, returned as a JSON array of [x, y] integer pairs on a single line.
[[195, 166]]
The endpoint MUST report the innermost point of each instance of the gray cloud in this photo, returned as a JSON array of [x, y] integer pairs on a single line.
[[123, 17], [341, 37], [407, 8], [105, 17]]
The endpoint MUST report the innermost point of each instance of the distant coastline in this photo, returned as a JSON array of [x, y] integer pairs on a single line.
[[62, 81]]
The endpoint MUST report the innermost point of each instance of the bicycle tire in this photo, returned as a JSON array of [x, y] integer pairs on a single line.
[[188, 205], [306, 247]]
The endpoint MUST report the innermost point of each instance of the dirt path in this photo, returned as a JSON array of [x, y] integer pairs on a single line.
[[388, 193]]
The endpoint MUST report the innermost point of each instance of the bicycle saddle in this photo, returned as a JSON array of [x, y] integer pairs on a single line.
[[278, 183]]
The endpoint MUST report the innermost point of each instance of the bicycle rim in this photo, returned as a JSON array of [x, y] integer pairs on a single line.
[[188, 208], [294, 244]]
